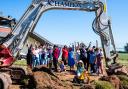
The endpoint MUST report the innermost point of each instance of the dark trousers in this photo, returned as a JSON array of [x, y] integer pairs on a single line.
[[86, 63], [55, 62], [64, 60], [50, 64], [93, 68], [76, 80]]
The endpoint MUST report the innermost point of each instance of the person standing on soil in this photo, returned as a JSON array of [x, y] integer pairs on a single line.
[[92, 60], [37, 55], [40, 55], [65, 55], [43, 56], [83, 55], [46, 55], [71, 60], [50, 57], [77, 55], [55, 57], [88, 55], [99, 58], [33, 57], [29, 56], [47, 58]]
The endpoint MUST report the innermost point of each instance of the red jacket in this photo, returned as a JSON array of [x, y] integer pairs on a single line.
[[56, 53], [64, 53]]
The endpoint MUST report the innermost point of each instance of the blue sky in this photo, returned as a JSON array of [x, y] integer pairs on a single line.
[[65, 27]]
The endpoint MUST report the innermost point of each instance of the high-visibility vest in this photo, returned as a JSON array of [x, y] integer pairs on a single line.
[[83, 75]]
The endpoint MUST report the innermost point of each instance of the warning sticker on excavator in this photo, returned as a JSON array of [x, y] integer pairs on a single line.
[[105, 8]]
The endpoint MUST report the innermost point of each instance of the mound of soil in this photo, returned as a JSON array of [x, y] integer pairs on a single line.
[[124, 81], [87, 86], [113, 79], [122, 71], [45, 79], [117, 69]]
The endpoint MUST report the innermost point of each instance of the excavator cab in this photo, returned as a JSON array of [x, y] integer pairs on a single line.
[[5, 26]]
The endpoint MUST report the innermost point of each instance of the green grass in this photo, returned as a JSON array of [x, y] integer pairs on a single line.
[[20, 62], [123, 58], [124, 81], [103, 85]]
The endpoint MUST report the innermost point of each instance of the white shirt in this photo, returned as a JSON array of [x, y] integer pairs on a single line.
[[37, 53]]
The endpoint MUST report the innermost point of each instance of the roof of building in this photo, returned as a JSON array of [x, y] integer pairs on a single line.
[[40, 38]]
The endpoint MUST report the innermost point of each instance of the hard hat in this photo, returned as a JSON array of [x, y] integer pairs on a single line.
[[80, 61]]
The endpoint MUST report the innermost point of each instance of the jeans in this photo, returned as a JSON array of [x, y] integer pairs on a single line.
[[40, 59], [33, 61], [37, 61]]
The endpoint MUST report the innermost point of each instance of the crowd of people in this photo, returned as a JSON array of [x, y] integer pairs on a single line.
[[39, 55], [83, 58]]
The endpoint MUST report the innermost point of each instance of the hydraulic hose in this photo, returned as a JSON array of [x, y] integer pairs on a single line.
[[95, 25]]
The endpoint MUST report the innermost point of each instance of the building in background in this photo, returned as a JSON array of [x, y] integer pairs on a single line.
[[35, 39]]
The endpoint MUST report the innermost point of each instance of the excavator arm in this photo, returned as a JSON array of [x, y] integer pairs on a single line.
[[11, 45], [102, 26], [15, 41]]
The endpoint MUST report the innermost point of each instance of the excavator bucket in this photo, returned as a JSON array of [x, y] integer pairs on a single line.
[[6, 59]]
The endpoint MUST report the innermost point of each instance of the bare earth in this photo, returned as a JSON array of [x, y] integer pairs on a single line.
[[63, 81]]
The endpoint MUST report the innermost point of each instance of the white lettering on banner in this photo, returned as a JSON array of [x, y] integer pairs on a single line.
[[65, 3]]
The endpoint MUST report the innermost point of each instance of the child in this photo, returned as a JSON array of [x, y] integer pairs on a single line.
[[62, 67], [81, 74]]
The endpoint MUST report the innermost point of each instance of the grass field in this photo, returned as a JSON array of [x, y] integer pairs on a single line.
[[123, 58], [21, 62]]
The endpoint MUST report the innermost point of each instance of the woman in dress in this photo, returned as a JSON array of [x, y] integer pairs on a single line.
[[71, 60]]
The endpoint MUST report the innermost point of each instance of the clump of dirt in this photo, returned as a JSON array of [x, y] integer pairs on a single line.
[[87, 86], [117, 69], [113, 79], [45, 79], [122, 71], [124, 81]]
